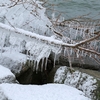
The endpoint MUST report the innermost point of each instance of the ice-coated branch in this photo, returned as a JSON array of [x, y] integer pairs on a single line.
[[35, 36]]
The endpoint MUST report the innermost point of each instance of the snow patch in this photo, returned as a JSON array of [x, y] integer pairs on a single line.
[[6, 76], [41, 92]]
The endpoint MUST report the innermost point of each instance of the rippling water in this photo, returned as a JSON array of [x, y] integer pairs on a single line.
[[74, 8]]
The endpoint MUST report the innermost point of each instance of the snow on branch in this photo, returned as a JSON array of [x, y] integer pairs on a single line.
[[72, 35], [35, 36]]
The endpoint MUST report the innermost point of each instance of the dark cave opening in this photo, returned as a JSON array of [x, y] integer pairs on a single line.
[[33, 77]]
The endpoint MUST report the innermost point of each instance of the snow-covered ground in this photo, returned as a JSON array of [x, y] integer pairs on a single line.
[[9, 90], [40, 92]]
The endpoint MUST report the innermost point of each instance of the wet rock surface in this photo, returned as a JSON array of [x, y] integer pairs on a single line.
[[85, 63]]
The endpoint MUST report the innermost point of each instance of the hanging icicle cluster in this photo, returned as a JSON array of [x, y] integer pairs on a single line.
[[80, 31], [37, 49], [77, 32]]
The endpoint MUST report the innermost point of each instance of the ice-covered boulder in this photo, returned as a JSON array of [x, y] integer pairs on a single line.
[[26, 14], [6, 76], [82, 81], [12, 60]]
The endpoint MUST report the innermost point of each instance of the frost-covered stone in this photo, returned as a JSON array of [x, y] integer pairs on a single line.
[[60, 75], [77, 79], [29, 16], [6, 76], [13, 61]]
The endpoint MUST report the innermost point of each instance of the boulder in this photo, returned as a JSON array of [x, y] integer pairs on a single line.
[[82, 81], [6, 76]]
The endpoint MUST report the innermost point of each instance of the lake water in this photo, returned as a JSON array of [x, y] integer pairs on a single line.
[[75, 8]]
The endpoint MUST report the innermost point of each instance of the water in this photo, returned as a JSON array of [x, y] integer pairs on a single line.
[[75, 8]]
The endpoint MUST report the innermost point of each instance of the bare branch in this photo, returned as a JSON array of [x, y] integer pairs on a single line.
[[89, 51]]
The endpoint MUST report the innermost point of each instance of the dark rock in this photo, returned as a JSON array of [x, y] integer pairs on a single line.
[[88, 63], [35, 77]]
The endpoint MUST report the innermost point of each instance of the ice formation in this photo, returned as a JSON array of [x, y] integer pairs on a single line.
[[23, 27], [29, 15], [37, 46]]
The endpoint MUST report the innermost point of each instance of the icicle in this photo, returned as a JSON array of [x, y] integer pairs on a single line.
[[34, 66], [69, 58], [82, 53], [46, 60], [2, 44], [77, 54], [90, 55], [54, 60], [84, 33], [71, 51], [37, 66], [6, 40], [95, 56], [26, 55], [92, 31], [95, 43], [65, 51], [42, 64], [48, 31], [30, 59], [70, 32], [59, 49], [53, 16], [81, 33], [2, 48], [76, 32], [85, 54]]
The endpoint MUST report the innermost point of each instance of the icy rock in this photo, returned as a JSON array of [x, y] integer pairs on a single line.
[[6, 76], [77, 79], [25, 16], [60, 75], [13, 61]]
